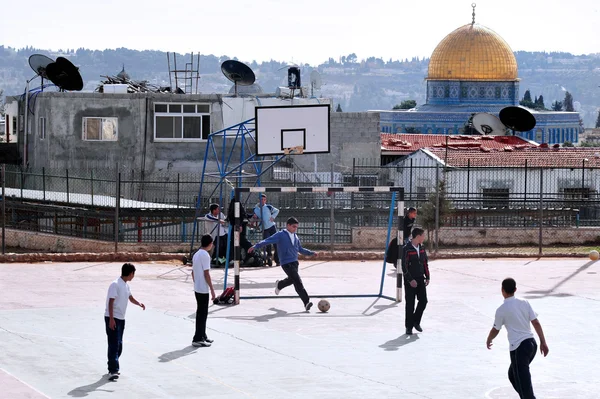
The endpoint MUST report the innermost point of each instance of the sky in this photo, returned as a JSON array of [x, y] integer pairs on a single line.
[[302, 32]]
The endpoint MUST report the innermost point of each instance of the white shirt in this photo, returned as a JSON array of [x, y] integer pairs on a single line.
[[516, 314], [418, 250], [211, 224], [200, 263], [119, 290], [292, 237]]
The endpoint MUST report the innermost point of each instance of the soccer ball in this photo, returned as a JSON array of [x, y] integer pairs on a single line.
[[594, 255], [324, 305]]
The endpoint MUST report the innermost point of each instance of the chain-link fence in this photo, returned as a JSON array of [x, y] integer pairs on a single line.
[[46, 209]]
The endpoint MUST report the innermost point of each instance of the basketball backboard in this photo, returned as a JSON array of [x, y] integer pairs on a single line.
[[281, 128]]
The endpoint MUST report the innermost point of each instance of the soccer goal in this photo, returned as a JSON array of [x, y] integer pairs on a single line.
[[396, 201]]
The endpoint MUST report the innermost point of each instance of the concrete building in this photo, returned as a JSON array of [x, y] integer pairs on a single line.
[[161, 132]]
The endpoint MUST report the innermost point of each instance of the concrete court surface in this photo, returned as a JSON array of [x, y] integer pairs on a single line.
[[53, 344]]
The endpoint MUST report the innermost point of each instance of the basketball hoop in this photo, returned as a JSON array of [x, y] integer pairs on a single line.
[[293, 150]]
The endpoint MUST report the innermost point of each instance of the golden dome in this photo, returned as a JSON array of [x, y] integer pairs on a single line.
[[473, 52]]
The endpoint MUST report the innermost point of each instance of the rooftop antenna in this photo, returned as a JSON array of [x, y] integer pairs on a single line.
[[488, 124], [517, 119], [315, 82], [239, 73], [189, 76]]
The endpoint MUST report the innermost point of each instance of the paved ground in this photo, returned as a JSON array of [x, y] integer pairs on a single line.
[[52, 340]]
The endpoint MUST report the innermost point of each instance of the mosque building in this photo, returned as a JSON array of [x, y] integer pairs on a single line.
[[473, 70]]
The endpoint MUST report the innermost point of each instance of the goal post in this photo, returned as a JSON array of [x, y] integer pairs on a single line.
[[397, 196]]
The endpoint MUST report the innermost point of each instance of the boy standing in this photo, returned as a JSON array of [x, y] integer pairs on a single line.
[[202, 283], [289, 246], [117, 299], [267, 213], [416, 278], [218, 231], [517, 314], [409, 222]]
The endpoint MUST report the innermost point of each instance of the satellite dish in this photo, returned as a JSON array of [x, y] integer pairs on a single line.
[[488, 124], [238, 72], [315, 81], [64, 74], [517, 118], [38, 63]]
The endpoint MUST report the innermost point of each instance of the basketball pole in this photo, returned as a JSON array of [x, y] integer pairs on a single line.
[[387, 240]]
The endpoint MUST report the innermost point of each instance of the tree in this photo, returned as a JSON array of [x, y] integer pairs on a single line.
[[427, 213], [557, 106], [2, 103], [339, 108], [526, 101], [539, 103], [598, 120], [568, 102], [406, 104], [568, 144]]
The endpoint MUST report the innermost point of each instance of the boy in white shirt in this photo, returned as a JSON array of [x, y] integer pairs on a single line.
[[202, 283], [517, 314], [117, 299]]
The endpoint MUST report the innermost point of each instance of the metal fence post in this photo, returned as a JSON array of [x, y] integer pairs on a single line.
[[3, 210], [117, 206], [332, 215], [67, 170], [541, 209], [44, 183], [92, 184], [437, 206]]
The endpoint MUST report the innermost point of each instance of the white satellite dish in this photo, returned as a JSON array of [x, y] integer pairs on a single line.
[[315, 82], [488, 124]]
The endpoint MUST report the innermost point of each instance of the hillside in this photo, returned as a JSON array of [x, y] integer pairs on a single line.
[[357, 85]]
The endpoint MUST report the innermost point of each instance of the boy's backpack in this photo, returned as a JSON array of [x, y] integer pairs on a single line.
[[226, 298], [392, 252]]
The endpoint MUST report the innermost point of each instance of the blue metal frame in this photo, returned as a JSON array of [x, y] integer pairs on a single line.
[[236, 151]]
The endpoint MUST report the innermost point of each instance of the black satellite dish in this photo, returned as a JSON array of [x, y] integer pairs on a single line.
[[238, 72], [517, 119], [64, 74]]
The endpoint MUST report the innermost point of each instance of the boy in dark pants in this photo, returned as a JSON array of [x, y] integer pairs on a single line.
[[416, 278], [202, 284], [119, 295], [517, 314], [288, 246]]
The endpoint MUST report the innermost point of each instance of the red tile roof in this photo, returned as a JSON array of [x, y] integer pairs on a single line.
[[406, 143], [508, 157]]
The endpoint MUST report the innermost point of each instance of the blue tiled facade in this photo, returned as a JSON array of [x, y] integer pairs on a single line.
[[450, 104]]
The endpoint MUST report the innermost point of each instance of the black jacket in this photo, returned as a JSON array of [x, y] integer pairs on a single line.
[[415, 265]]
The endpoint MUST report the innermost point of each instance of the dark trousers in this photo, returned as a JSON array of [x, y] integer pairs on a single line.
[[420, 292], [220, 246], [518, 372], [266, 234], [291, 269], [115, 343], [201, 316]]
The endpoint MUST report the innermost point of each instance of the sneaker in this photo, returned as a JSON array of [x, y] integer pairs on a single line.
[[277, 290], [418, 328], [409, 331], [308, 306], [198, 344], [113, 376], [210, 341], [222, 260]]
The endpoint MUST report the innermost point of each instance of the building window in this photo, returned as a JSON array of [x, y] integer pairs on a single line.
[[42, 128], [100, 129], [495, 197], [181, 122]]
